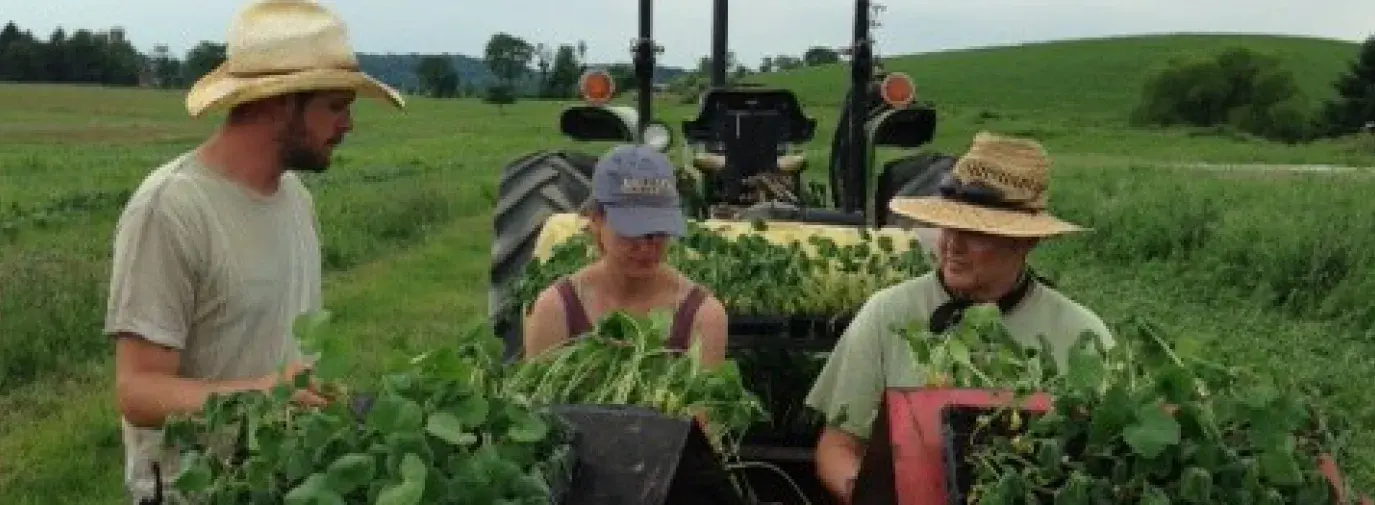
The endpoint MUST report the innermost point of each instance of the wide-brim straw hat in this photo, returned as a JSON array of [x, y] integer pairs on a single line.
[[277, 47], [999, 187]]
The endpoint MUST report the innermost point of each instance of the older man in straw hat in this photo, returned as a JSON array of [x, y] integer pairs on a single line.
[[218, 251], [991, 213]]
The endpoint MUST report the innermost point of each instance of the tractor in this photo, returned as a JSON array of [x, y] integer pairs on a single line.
[[740, 165]]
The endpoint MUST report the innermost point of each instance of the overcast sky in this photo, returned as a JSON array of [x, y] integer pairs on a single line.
[[683, 27]]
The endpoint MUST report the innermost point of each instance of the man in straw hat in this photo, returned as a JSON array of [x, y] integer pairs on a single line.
[[217, 252], [991, 213]]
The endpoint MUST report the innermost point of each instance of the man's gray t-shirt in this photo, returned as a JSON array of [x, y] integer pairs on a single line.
[[208, 267], [870, 357]]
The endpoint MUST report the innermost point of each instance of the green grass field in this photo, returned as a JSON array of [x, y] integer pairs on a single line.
[[1267, 269]]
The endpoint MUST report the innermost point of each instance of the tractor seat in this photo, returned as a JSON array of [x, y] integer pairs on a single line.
[[714, 162]]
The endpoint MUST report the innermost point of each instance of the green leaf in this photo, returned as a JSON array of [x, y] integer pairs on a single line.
[[413, 468], [1086, 367], [1076, 491], [959, 352], [1154, 431], [1196, 485], [351, 471], [195, 474], [309, 328], [1152, 495], [526, 427], [1111, 416], [1280, 467], [412, 486], [448, 428], [405, 493], [307, 492], [472, 411], [391, 414]]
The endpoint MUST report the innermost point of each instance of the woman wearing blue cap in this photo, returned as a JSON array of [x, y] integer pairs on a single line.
[[634, 210]]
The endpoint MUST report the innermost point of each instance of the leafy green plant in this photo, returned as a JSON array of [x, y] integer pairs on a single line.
[[433, 433], [1142, 422], [625, 361]]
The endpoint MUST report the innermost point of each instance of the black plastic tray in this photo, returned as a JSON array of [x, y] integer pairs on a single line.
[[814, 333]]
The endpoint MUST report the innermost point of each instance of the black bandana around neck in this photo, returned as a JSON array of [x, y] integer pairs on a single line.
[[950, 313]]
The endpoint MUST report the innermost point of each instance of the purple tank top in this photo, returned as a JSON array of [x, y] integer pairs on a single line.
[[578, 321]]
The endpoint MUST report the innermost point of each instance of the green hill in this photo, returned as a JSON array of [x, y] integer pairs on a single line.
[[1085, 79]]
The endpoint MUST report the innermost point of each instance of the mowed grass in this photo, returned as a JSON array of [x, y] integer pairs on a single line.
[[1268, 270]]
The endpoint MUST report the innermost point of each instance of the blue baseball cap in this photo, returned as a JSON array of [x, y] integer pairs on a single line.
[[636, 186]]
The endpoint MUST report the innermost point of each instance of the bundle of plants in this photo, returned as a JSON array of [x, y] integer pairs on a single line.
[[432, 433], [623, 360], [1142, 422]]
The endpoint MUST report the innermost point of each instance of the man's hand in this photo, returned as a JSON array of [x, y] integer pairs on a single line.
[[310, 396], [838, 455], [148, 389]]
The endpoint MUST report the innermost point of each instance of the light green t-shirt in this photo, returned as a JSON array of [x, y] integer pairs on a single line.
[[205, 266], [869, 357]]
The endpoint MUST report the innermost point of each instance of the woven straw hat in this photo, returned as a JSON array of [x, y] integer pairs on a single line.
[[999, 187], [276, 47]]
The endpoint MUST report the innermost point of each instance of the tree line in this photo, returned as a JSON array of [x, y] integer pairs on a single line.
[[98, 57], [518, 67], [554, 74], [1251, 92], [552, 71]]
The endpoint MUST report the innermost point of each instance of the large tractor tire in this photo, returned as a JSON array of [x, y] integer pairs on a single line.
[[917, 175], [532, 188]]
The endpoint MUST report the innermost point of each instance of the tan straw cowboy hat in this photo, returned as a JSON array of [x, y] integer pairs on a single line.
[[999, 187], [277, 47]]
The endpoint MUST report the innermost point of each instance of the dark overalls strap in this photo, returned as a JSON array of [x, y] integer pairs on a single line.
[[574, 312], [681, 335]]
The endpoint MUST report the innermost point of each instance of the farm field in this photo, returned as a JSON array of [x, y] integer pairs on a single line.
[[1265, 269]]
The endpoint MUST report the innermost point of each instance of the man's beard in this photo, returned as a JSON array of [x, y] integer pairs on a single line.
[[296, 155]]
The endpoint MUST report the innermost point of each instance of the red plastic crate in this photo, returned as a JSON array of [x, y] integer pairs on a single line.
[[905, 461]]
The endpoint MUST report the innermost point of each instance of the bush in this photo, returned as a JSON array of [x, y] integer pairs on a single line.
[[500, 95], [1238, 87]]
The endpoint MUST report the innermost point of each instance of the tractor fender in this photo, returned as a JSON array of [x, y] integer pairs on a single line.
[[909, 127], [599, 123]]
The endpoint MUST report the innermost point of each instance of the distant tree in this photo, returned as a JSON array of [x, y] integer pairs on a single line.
[[704, 64], [501, 95], [1238, 87], [9, 35], [1354, 106], [818, 55], [741, 72], [438, 78], [508, 57], [55, 56], [623, 75], [766, 65], [563, 79], [543, 60], [202, 59], [784, 63], [582, 56]]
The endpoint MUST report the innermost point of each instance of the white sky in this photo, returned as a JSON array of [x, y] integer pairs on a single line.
[[683, 27]]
